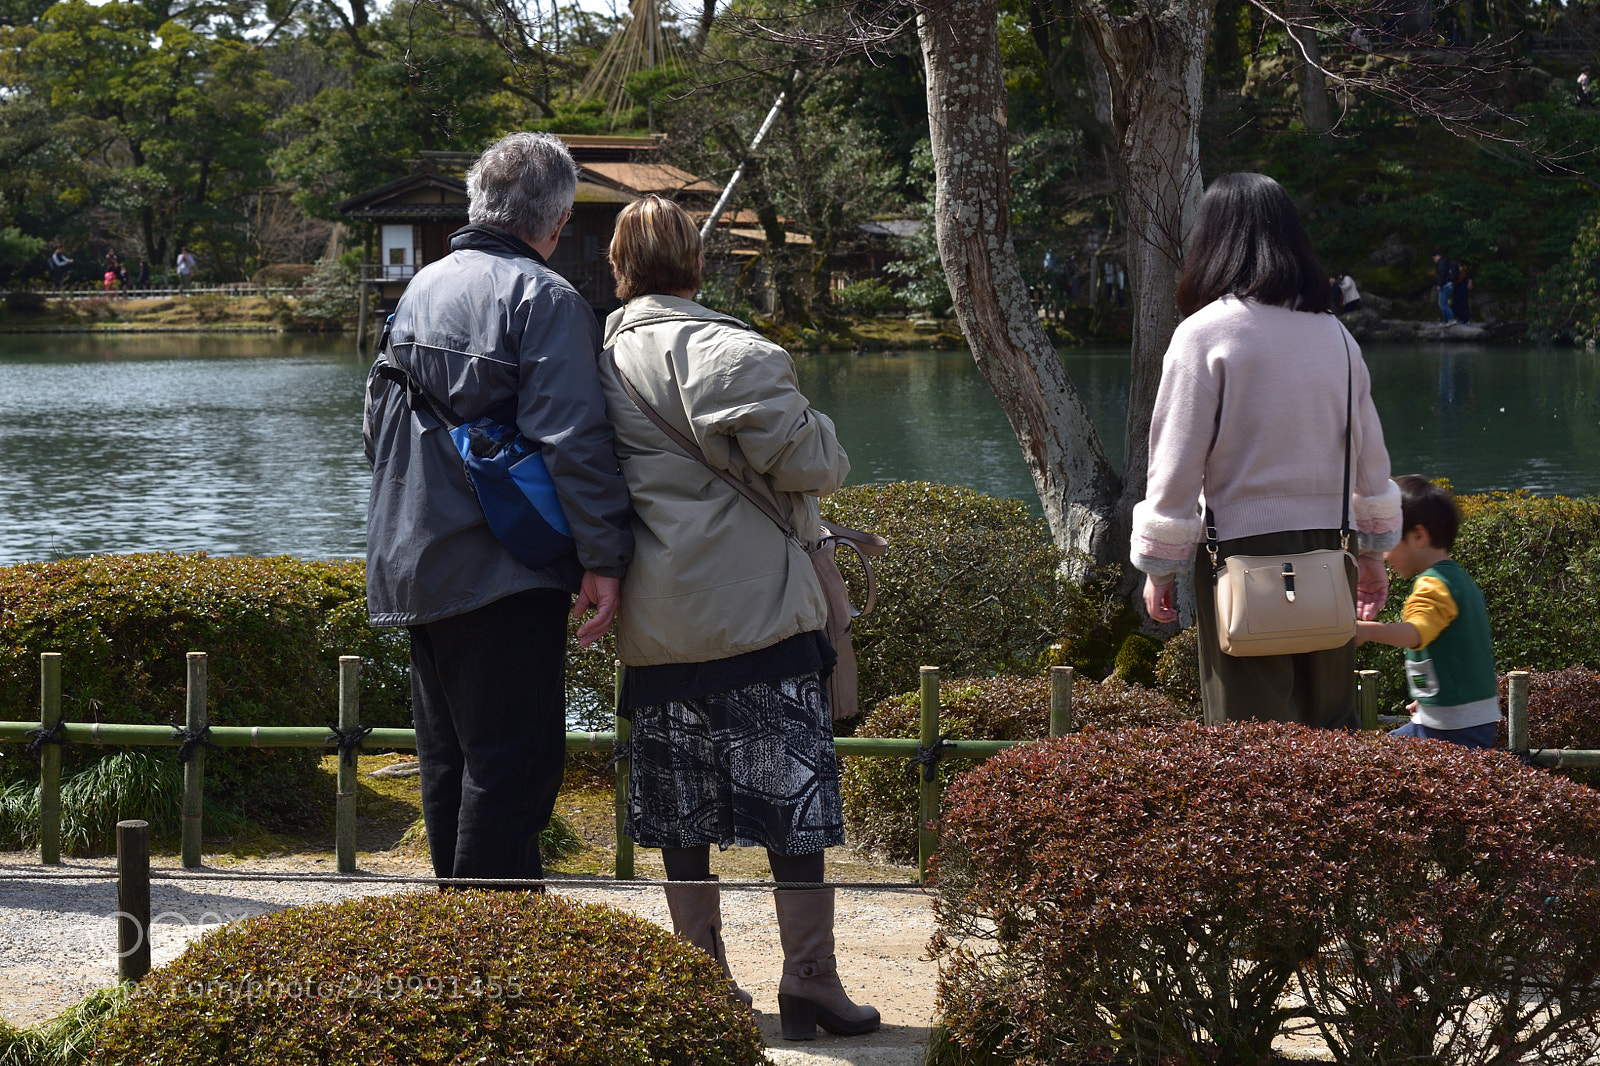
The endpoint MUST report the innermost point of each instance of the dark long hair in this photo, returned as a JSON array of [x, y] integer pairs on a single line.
[[1248, 241]]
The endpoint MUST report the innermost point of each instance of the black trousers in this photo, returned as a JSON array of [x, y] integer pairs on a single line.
[[489, 701], [1316, 688]]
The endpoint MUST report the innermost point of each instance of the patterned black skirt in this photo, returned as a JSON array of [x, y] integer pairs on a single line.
[[753, 767]]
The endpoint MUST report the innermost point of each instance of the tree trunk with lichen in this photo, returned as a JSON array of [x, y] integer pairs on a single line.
[[967, 126]]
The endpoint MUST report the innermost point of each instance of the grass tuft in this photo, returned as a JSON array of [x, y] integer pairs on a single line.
[[65, 1040]]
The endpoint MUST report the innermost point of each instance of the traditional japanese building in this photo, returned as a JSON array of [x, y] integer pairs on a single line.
[[411, 218]]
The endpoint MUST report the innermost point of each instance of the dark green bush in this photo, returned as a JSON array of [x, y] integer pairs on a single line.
[[1136, 660], [869, 297], [273, 630], [969, 584], [1178, 670], [1182, 894], [1536, 559], [881, 795], [460, 977]]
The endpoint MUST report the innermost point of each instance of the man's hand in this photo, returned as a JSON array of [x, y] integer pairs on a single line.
[[1372, 587], [603, 594], [1158, 599]]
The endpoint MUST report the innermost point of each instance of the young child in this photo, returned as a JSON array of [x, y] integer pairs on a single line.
[[1449, 655]]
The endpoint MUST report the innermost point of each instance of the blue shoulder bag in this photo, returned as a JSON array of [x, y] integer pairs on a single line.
[[505, 469]]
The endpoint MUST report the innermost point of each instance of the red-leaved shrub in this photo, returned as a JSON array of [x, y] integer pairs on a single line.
[[1563, 712], [1185, 894], [880, 795]]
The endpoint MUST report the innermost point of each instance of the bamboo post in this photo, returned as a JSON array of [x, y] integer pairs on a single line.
[[49, 760], [349, 775], [194, 771], [624, 729], [133, 899], [1060, 700], [1517, 710], [1367, 697], [927, 838]]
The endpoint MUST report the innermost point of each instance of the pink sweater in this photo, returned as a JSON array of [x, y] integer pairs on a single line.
[[1250, 418]]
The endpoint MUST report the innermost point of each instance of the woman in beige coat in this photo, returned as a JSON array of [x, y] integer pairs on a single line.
[[720, 630]]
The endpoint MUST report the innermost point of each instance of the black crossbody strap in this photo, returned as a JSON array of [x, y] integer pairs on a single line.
[[1349, 409], [416, 395]]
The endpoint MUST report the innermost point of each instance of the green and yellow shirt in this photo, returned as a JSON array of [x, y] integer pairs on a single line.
[[1451, 675]]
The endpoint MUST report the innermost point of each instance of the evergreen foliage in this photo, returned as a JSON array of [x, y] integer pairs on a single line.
[[424, 977], [273, 630]]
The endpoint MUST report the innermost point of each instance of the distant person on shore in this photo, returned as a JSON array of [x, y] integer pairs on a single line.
[[59, 261], [144, 274], [1461, 295], [490, 330], [1445, 626], [1349, 295], [185, 267], [1584, 99], [1444, 276]]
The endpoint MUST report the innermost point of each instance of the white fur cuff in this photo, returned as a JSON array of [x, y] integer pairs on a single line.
[[1162, 544], [1378, 514]]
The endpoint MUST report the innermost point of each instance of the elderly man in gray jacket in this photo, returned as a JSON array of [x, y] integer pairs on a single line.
[[492, 331]]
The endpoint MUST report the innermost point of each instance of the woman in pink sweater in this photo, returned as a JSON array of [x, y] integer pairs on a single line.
[[1250, 422]]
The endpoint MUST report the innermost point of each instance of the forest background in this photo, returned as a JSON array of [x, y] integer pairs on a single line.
[[1064, 130], [234, 126]]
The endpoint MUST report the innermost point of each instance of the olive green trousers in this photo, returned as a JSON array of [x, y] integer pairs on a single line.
[[1316, 688]]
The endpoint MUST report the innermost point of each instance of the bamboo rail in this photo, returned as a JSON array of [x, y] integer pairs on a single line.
[[197, 734], [925, 752]]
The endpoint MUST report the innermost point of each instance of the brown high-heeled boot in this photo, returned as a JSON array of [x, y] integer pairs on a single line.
[[809, 993], [696, 908]]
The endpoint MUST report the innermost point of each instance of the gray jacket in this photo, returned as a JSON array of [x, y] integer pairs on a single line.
[[491, 331]]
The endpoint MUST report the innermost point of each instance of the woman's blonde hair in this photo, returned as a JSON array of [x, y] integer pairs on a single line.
[[655, 249]]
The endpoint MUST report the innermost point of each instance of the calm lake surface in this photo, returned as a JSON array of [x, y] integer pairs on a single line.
[[243, 444]]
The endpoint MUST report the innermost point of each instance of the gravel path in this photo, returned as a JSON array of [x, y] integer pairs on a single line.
[[58, 943]]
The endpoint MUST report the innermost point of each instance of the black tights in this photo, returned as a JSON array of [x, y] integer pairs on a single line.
[[694, 864]]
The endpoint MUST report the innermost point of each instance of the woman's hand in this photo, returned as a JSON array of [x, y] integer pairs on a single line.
[[1372, 587], [1158, 598]]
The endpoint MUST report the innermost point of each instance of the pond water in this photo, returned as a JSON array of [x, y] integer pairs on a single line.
[[245, 444]]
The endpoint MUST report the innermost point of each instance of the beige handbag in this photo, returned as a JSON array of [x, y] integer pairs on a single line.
[[842, 682], [1287, 604]]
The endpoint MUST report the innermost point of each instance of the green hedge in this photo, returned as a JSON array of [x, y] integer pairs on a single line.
[[459, 977], [970, 585], [273, 630]]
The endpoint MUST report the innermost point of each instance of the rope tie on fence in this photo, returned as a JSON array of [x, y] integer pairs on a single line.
[[38, 738], [928, 758], [190, 739], [1530, 757], [348, 740]]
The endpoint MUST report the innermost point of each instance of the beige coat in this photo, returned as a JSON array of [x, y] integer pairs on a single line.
[[712, 576]]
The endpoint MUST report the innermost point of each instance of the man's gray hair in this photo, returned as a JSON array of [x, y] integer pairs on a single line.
[[523, 182]]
